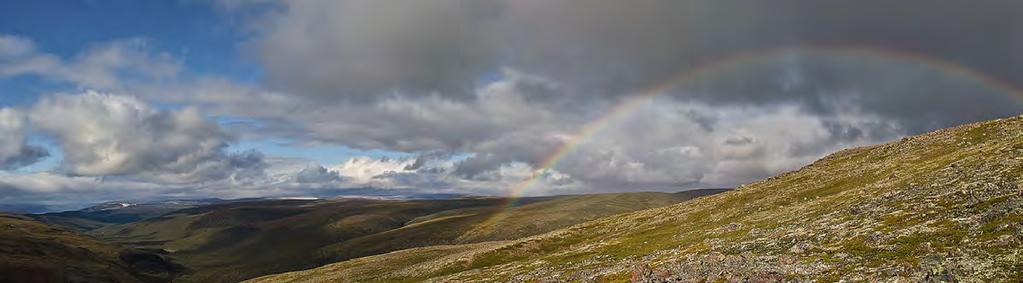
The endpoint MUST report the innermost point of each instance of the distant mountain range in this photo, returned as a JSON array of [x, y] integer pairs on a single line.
[[116, 212], [119, 212]]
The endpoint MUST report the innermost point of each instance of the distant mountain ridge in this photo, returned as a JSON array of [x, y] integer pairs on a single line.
[[108, 206], [117, 212], [124, 211]]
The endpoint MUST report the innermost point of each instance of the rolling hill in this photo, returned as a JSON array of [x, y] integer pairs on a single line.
[[228, 242], [943, 206], [31, 251]]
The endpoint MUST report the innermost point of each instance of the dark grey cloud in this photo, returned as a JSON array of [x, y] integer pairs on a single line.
[[375, 47], [15, 152], [419, 163], [317, 174], [246, 167], [617, 46], [922, 95], [474, 166], [28, 155], [24, 207], [351, 48]]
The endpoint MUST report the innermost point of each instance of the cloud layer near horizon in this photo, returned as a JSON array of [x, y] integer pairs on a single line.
[[481, 93]]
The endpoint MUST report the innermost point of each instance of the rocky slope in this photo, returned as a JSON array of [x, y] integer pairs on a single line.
[[944, 206]]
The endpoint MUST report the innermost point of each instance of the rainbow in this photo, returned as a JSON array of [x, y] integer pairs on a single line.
[[588, 131]]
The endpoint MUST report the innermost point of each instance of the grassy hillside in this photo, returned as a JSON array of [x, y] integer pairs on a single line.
[[31, 251], [236, 241], [945, 206]]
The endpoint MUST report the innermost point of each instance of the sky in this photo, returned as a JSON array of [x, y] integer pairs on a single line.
[[148, 100]]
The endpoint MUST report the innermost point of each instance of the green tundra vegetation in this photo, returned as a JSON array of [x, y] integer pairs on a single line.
[[229, 242], [32, 251], [943, 206]]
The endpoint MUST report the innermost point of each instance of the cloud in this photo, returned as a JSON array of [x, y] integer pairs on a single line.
[[664, 144], [114, 135], [317, 174], [437, 175], [54, 191], [49, 191], [484, 92], [364, 48], [109, 65], [694, 135], [28, 155], [13, 46], [668, 144], [364, 170], [14, 151], [919, 94], [542, 70], [376, 46]]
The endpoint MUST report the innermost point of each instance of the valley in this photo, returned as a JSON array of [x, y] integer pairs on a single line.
[[229, 241]]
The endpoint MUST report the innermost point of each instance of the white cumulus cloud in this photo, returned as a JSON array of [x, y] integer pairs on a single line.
[[105, 134]]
